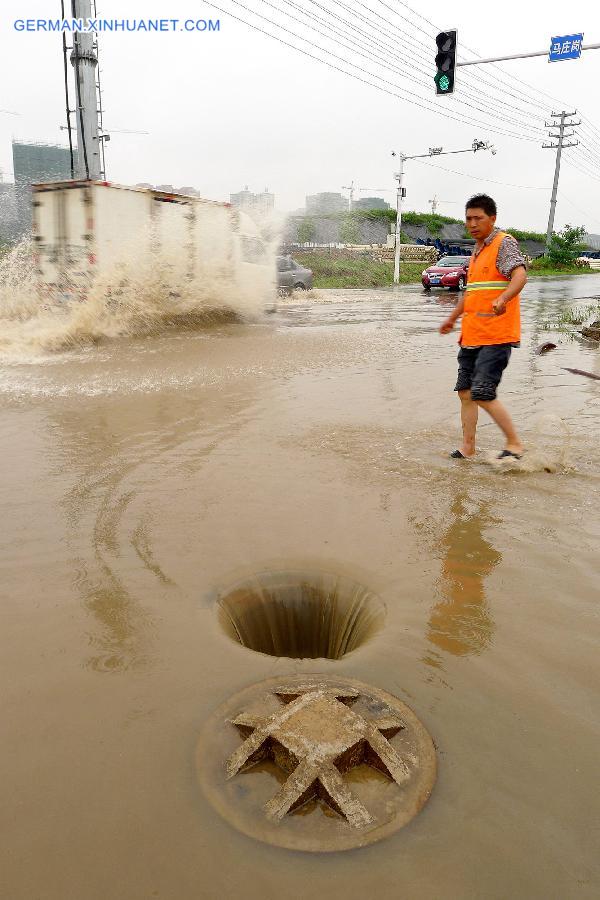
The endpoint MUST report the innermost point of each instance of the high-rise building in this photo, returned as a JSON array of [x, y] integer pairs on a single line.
[[326, 202], [33, 163], [259, 204]]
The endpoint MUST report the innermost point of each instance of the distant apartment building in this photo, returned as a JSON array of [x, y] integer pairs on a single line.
[[370, 203], [258, 204], [326, 202]]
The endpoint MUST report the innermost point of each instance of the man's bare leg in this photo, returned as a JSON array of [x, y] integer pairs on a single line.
[[468, 416], [502, 419]]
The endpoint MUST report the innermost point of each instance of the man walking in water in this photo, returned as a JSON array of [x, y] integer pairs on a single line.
[[490, 327]]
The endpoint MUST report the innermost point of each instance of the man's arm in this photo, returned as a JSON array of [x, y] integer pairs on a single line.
[[448, 324], [518, 280]]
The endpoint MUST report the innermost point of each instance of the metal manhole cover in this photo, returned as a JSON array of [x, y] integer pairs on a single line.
[[314, 763]]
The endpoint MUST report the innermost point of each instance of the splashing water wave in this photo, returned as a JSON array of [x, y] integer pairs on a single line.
[[142, 293]]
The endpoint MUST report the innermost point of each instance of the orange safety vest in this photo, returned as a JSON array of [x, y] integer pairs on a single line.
[[480, 325]]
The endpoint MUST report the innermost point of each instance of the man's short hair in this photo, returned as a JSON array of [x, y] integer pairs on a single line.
[[482, 201]]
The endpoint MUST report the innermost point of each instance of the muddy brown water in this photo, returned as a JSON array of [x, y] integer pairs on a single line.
[[143, 476]]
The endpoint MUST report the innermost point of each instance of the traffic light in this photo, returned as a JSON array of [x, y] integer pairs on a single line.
[[445, 62]]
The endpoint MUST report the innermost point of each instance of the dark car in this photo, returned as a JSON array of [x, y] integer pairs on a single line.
[[292, 276], [449, 272]]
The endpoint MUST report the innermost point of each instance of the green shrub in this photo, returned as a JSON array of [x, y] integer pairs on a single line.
[[565, 246]]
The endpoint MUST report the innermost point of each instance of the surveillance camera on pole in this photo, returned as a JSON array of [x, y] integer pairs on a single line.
[[445, 61]]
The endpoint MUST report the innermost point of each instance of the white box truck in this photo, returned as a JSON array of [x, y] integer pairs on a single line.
[[92, 236]]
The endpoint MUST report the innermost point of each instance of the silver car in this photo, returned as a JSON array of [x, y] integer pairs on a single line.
[[292, 276]]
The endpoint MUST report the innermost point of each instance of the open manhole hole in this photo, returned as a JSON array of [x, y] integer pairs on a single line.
[[300, 615], [316, 763]]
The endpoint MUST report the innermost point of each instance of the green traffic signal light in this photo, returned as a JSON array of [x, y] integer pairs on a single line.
[[445, 61]]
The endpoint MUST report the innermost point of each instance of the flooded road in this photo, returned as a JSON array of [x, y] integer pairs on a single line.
[[145, 475]]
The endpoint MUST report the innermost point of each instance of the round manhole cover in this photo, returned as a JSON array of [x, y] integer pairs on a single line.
[[316, 763]]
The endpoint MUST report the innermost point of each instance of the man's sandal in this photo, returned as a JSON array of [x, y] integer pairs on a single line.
[[508, 453]]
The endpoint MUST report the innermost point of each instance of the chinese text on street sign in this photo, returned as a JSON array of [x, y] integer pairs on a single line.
[[566, 47]]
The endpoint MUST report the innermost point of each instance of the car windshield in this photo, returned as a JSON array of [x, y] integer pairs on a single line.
[[453, 261]]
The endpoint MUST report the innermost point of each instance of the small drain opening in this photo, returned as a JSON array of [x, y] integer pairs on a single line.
[[301, 615]]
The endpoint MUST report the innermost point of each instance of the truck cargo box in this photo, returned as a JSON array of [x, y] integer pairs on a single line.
[[101, 236]]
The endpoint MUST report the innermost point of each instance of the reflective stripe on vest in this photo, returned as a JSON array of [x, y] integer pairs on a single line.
[[480, 325], [486, 285]]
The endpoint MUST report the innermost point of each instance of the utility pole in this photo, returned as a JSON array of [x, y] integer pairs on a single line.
[[84, 61], [559, 140], [401, 191], [350, 188]]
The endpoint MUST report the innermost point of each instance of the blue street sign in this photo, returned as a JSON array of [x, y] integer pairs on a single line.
[[566, 47]]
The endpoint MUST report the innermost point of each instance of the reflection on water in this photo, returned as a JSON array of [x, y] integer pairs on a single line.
[[461, 623], [111, 455], [118, 643], [95, 507]]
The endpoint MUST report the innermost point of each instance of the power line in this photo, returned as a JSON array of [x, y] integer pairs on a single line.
[[463, 120], [513, 122], [589, 154], [483, 178], [523, 98], [493, 84], [494, 66], [583, 171], [418, 45], [578, 208], [530, 87]]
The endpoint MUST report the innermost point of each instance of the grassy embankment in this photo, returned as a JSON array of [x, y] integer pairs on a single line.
[[351, 271], [356, 271]]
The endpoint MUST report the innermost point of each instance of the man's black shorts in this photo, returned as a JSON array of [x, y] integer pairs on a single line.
[[480, 369]]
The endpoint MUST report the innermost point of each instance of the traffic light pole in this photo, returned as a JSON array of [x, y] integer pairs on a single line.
[[399, 176], [494, 59], [447, 63]]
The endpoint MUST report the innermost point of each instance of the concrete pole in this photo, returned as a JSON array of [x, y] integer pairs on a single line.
[[555, 184], [84, 63], [350, 187], [400, 176]]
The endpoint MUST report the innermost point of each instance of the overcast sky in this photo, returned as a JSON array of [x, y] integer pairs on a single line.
[[237, 107]]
